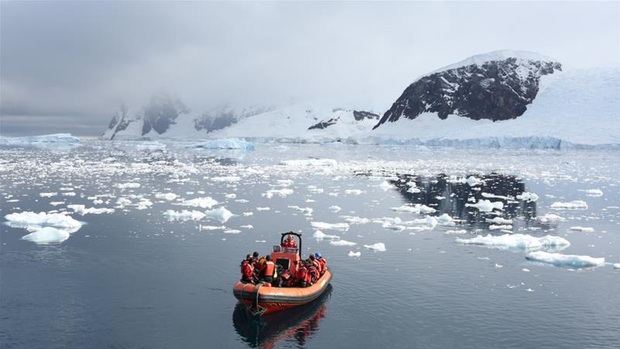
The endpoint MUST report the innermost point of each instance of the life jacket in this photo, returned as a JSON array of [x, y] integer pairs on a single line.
[[302, 273], [269, 269], [314, 272], [322, 264]]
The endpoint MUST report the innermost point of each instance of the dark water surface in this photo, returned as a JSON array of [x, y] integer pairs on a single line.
[[136, 279]]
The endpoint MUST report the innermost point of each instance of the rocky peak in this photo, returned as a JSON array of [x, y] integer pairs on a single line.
[[495, 86]]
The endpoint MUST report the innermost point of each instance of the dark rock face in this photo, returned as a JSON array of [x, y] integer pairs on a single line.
[[495, 90], [357, 115], [161, 112]]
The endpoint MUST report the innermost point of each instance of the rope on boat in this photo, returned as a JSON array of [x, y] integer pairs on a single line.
[[257, 309]]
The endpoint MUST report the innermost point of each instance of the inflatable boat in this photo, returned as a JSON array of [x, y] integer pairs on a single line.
[[264, 298]]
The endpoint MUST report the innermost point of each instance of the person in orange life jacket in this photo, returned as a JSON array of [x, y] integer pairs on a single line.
[[268, 270], [314, 272], [322, 262], [301, 278], [247, 270]]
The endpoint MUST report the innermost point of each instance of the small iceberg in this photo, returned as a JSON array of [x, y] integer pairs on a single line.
[[379, 246], [355, 254], [565, 260], [47, 235], [518, 242]]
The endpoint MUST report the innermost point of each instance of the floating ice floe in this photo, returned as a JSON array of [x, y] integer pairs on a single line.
[[307, 211], [184, 215], [355, 254], [572, 205], [45, 227], [473, 181], [487, 205], [166, 196], [81, 209], [592, 192], [127, 185], [417, 208], [280, 192], [499, 220], [335, 208], [379, 246], [563, 260], [228, 179], [206, 202], [41, 219], [616, 265], [385, 185], [456, 232], [583, 229], [63, 139], [529, 197], [47, 235], [354, 192], [221, 214], [342, 243], [550, 217], [226, 143], [310, 162], [319, 235], [330, 226], [518, 242]]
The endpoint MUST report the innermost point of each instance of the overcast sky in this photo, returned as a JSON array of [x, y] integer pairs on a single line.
[[68, 66]]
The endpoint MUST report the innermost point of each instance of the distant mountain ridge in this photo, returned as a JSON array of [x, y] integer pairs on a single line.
[[498, 99]]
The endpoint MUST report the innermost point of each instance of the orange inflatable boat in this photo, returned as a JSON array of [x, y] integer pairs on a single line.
[[264, 298]]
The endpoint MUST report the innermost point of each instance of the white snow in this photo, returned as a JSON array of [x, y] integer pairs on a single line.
[[520, 242], [562, 260]]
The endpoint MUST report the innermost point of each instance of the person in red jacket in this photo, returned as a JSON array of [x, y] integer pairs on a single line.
[[247, 271], [268, 270], [289, 242]]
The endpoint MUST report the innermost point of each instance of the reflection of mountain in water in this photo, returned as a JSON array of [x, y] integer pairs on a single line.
[[455, 195], [298, 323]]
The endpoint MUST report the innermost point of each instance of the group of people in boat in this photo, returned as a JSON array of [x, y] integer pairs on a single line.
[[255, 269]]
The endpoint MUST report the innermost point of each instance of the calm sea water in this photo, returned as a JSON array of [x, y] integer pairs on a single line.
[[136, 278]]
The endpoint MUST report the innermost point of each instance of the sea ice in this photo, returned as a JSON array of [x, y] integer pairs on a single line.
[[550, 217], [41, 219], [81, 209], [310, 162], [221, 214], [184, 215], [583, 229], [225, 143], [47, 235], [379, 246], [562, 260], [572, 205], [342, 243], [593, 192], [530, 197], [280, 192], [330, 226], [487, 205], [355, 254], [206, 202], [319, 235], [519, 242]]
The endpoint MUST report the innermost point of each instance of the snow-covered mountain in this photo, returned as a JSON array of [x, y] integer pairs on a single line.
[[498, 99]]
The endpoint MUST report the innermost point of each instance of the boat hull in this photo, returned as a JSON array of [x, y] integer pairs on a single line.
[[262, 299]]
